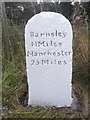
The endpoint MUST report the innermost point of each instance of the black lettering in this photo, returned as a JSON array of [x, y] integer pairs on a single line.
[[40, 54], [42, 34], [31, 34], [45, 62], [64, 35], [32, 62], [37, 62], [47, 44], [56, 33], [59, 34], [54, 53], [49, 53], [62, 53], [41, 43], [59, 62], [29, 53], [59, 44], [51, 62], [70, 53], [51, 43], [44, 53], [55, 61], [35, 54], [58, 54], [32, 44], [55, 44], [64, 62], [52, 34], [47, 34], [36, 35], [66, 53]]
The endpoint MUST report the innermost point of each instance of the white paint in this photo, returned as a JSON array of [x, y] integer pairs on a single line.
[[49, 83]]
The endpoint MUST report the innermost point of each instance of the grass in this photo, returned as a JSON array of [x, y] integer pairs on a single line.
[[80, 61], [14, 70], [0, 67]]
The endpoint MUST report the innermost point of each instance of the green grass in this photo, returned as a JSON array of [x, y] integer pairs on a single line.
[[80, 58], [14, 70], [40, 112]]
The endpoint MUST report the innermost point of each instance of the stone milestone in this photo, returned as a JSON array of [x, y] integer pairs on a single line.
[[48, 45]]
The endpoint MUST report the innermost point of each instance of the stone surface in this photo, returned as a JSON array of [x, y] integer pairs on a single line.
[[48, 43]]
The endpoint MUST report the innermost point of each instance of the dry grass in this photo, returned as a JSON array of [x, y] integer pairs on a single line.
[[13, 87]]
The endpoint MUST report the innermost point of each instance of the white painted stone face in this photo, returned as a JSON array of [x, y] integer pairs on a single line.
[[48, 43]]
